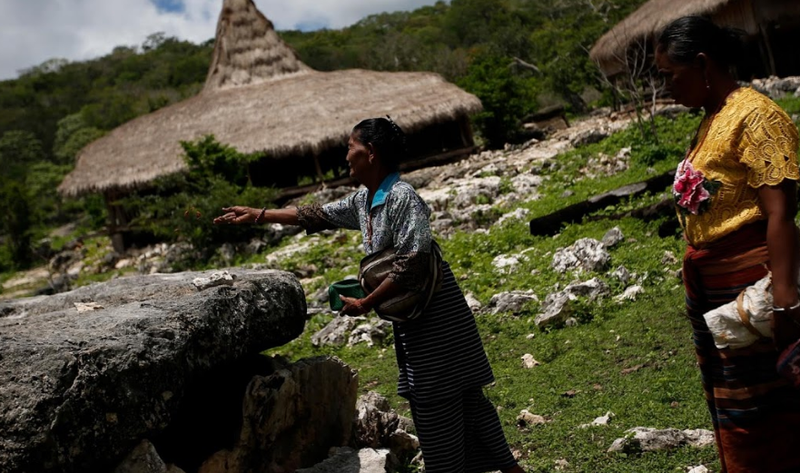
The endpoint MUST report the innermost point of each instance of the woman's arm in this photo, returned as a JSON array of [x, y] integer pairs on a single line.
[[354, 307], [779, 203], [239, 214]]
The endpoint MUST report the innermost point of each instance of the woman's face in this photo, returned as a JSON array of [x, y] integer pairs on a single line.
[[685, 83], [358, 157]]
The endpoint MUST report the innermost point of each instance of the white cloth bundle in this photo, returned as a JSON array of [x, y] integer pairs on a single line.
[[726, 322]]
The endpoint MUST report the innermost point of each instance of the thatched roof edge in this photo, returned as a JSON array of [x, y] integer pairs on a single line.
[[646, 22]]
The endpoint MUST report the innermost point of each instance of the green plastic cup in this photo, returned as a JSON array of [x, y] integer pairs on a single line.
[[348, 288]]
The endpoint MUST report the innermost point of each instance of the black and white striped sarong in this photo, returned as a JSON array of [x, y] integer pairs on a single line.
[[442, 367]]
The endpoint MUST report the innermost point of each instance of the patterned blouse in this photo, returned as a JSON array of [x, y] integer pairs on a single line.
[[749, 143], [397, 217]]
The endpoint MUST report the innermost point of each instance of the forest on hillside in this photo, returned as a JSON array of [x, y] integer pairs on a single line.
[[515, 55]]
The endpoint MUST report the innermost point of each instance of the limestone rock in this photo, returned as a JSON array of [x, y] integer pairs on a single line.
[[79, 391], [347, 460], [372, 333], [525, 418], [528, 362], [145, 459], [586, 254], [630, 293], [473, 303], [613, 237], [592, 289], [622, 274], [512, 301], [376, 425], [507, 264], [336, 332], [647, 439], [292, 418], [557, 310], [217, 278]]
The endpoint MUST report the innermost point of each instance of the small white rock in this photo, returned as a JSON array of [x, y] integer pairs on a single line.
[[528, 361], [221, 278]]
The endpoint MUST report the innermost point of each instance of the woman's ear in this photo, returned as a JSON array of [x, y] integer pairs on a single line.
[[371, 150], [702, 63]]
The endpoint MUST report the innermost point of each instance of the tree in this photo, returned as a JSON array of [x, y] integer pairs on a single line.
[[506, 97], [16, 222], [72, 135], [18, 150]]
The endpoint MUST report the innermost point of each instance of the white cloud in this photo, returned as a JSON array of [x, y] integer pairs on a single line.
[[33, 31]]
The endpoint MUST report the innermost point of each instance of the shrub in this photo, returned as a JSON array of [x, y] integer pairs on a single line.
[[182, 207], [506, 98]]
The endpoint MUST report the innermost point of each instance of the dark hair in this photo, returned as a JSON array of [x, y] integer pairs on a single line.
[[686, 37], [386, 136]]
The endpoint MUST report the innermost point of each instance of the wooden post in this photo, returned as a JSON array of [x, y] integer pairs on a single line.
[[467, 139], [773, 71], [319, 169], [116, 221]]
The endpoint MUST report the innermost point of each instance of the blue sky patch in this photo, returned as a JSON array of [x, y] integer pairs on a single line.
[[312, 25], [170, 6]]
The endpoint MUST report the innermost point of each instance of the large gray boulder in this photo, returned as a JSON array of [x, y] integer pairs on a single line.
[[86, 375]]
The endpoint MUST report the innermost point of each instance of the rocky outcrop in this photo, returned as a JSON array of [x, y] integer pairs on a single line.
[[291, 418], [86, 375]]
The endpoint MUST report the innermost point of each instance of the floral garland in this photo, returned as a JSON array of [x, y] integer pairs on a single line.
[[692, 191]]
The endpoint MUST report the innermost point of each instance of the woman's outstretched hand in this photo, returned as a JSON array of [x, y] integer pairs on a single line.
[[237, 215], [353, 307]]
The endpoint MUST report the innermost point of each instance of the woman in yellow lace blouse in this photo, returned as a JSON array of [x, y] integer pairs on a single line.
[[736, 196]]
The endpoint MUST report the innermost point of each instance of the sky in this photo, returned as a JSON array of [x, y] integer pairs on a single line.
[[34, 31]]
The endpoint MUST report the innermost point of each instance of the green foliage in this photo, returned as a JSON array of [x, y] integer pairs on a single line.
[[72, 135], [18, 150], [182, 206], [16, 221], [42, 182], [506, 97]]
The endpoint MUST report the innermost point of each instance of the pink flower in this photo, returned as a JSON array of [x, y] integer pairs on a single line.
[[688, 187]]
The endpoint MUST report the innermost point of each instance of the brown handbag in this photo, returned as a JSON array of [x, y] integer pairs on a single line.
[[408, 305]]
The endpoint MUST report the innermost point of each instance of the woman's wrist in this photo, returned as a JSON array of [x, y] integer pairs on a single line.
[[786, 307], [366, 303], [259, 215]]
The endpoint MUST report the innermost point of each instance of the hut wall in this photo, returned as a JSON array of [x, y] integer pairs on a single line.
[[785, 11], [779, 25], [738, 14]]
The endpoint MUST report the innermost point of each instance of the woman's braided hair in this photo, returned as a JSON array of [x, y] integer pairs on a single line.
[[386, 137]]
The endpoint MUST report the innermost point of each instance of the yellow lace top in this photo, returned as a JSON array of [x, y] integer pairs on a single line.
[[750, 142]]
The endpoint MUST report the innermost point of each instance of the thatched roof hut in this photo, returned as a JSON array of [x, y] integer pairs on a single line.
[[771, 25], [260, 97]]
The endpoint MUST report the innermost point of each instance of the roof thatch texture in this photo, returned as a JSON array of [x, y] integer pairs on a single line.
[[611, 49], [247, 49], [297, 115], [260, 97]]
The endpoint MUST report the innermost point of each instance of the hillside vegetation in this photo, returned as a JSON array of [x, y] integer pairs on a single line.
[[52, 110], [631, 358]]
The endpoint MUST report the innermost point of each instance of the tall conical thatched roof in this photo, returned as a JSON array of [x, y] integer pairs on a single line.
[[247, 49], [646, 22], [260, 97]]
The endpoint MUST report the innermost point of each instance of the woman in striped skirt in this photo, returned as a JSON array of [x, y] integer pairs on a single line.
[[736, 192], [440, 355]]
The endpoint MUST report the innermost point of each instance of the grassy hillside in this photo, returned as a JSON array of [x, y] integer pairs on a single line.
[[631, 358]]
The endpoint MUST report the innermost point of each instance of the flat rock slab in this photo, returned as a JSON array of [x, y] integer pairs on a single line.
[[85, 375]]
